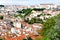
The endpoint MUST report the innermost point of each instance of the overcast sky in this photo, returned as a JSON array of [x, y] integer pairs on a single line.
[[28, 2]]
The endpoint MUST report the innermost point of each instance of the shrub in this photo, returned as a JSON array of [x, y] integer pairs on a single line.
[[1, 17]]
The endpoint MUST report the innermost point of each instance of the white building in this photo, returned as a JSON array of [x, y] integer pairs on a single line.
[[48, 6], [17, 24]]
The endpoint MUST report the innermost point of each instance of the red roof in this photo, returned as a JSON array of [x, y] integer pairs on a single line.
[[17, 38]]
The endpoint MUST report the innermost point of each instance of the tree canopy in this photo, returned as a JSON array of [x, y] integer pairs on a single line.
[[24, 11], [34, 20], [39, 9], [1, 17], [51, 28], [1, 5]]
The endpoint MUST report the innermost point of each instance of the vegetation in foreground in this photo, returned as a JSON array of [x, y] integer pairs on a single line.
[[51, 29]]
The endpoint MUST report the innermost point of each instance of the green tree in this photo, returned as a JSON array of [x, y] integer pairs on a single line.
[[58, 16], [38, 9], [51, 28], [31, 21], [1, 5], [1, 17], [37, 38], [25, 12], [20, 11], [47, 26], [1, 39]]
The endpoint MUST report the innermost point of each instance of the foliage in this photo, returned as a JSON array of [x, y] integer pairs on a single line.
[[1, 5], [51, 28], [38, 20], [20, 11], [24, 39], [1, 39], [40, 15], [37, 38], [31, 21], [34, 20], [44, 38], [1, 17], [58, 16], [38, 9], [25, 12], [28, 38], [11, 22], [49, 14], [48, 26]]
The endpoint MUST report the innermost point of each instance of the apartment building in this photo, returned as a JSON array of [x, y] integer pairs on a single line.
[[48, 6]]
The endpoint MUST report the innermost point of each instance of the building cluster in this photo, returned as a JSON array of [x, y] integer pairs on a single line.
[[16, 26]]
